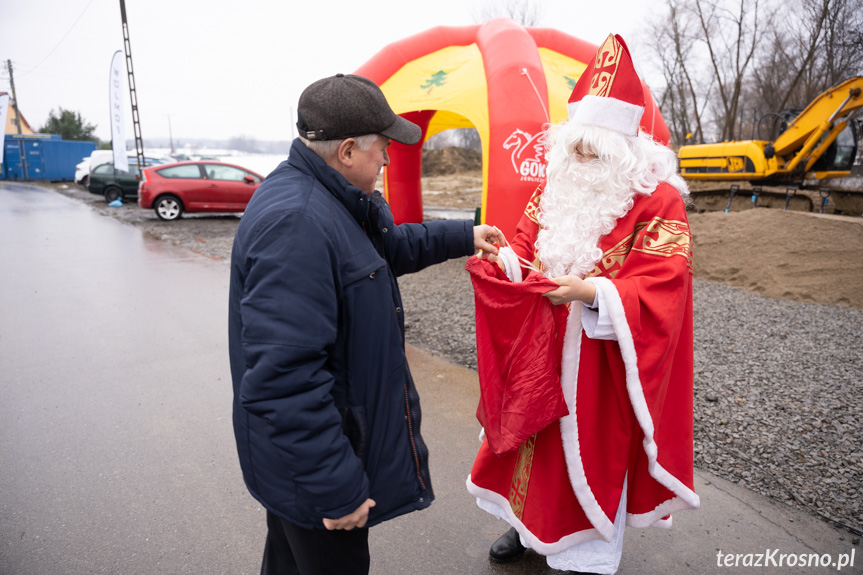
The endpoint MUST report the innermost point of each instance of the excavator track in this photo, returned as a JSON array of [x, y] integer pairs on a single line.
[[735, 199]]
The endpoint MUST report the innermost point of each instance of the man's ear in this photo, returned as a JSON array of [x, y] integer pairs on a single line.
[[346, 151]]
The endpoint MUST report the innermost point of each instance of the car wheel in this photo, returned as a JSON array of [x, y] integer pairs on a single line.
[[85, 181], [168, 208], [112, 193]]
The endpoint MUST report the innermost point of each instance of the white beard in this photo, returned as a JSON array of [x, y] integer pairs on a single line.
[[580, 204]]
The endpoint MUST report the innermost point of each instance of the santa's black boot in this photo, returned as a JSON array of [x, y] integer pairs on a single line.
[[507, 548]]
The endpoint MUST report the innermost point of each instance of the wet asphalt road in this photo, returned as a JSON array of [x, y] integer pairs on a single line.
[[115, 431], [116, 435], [116, 449]]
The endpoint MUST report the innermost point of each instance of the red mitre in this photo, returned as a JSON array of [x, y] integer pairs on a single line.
[[609, 93]]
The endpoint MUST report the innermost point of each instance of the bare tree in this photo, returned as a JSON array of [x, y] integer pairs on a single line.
[[664, 47], [525, 12], [734, 64], [841, 54], [458, 137], [786, 75], [731, 35], [810, 48], [671, 46], [468, 138]]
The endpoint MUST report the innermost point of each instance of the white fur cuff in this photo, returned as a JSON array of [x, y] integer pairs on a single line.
[[510, 262]]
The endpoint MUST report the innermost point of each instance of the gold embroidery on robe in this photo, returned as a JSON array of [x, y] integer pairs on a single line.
[[611, 261], [521, 476], [533, 206], [660, 237], [666, 238]]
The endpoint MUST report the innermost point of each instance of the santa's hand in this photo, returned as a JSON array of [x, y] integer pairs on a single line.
[[356, 519], [571, 288], [488, 239]]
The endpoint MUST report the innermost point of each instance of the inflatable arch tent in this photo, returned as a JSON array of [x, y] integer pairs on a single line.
[[505, 80]]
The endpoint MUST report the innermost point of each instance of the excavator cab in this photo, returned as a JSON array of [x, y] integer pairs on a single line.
[[841, 153]]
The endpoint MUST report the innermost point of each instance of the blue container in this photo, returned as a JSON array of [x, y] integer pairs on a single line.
[[42, 157]]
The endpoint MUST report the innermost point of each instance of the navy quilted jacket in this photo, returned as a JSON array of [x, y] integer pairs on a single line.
[[325, 412]]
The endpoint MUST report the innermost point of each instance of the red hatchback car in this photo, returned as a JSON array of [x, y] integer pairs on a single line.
[[203, 186]]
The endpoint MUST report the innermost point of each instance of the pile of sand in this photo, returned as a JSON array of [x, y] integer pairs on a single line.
[[795, 255], [451, 161]]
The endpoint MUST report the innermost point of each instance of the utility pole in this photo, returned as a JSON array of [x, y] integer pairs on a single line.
[[23, 150], [14, 97], [139, 141]]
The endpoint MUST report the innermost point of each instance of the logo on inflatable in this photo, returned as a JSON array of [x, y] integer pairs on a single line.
[[438, 79], [528, 155]]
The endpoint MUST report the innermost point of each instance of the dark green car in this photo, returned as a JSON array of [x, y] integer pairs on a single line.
[[113, 184]]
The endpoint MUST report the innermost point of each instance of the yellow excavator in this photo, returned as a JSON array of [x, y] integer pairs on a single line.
[[815, 151]]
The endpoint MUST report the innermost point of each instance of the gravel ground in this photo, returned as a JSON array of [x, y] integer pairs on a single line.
[[778, 384]]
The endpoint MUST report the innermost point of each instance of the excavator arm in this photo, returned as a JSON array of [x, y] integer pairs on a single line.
[[791, 156]]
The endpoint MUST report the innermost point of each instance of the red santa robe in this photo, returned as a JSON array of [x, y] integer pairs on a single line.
[[630, 400]]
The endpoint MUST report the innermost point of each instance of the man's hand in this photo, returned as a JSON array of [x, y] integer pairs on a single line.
[[356, 519], [571, 288], [485, 237]]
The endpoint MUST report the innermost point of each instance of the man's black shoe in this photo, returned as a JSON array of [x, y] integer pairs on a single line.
[[507, 548]]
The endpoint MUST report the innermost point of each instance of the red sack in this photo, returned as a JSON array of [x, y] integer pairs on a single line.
[[519, 340]]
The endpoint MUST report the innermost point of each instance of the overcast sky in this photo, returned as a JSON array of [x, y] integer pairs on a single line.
[[221, 69]]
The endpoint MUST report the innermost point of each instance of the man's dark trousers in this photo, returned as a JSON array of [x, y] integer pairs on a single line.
[[292, 550]]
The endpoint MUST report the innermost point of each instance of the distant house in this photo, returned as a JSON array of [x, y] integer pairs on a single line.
[[29, 155], [12, 122]]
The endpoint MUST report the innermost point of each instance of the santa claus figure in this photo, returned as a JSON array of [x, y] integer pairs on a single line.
[[608, 238]]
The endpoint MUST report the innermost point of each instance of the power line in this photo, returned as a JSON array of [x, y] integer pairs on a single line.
[[75, 23]]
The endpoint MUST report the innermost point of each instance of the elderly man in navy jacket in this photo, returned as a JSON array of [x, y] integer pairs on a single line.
[[326, 415]]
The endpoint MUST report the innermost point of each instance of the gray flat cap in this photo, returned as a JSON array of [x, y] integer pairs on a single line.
[[348, 106]]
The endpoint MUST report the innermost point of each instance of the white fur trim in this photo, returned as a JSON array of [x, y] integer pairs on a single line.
[[663, 523], [666, 508], [605, 112], [569, 428], [636, 520], [511, 263], [686, 498], [499, 506]]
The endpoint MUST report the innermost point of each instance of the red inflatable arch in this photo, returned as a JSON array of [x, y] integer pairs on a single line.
[[505, 80]]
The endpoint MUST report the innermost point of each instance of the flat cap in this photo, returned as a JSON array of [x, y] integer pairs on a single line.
[[348, 106]]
